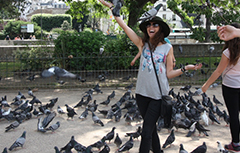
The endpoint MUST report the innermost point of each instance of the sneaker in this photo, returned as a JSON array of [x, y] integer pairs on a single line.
[[232, 148]]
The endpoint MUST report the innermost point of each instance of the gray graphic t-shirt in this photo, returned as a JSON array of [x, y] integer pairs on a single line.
[[147, 83]]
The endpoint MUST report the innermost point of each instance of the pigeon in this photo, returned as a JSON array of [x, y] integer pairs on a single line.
[[126, 146], [88, 149], [135, 134], [226, 117], [186, 88], [216, 101], [5, 150], [106, 102], [200, 149], [53, 127], [99, 144], [180, 49], [170, 139], [43, 123], [68, 147], [30, 92], [80, 103], [35, 100], [13, 125], [129, 87], [214, 85], [182, 150], [56, 149], [149, 15], [201, 129], [70, 111], [204, 118], [19, 142], [118, 140], [106, 149], [110, 135], [57, 72], [192, 129], [112, 95], [60, 110], [117, 6], [93, 106], [127, 77], [96, 119], [103, 112], [220, 148], [212, 117], [84, 114], [211, 49], [31, 77]]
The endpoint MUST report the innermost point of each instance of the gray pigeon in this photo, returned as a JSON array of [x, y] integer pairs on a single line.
[[182, 150], [84, 114], [19, 142], [170, 139], [13, 125], [150, 14], [53, 127], [118, 140], [5, 150], [96, 119]]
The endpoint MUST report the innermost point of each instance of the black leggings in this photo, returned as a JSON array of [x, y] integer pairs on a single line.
[[150, 111], [232, 100]]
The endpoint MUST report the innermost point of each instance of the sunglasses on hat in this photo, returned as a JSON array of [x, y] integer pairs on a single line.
[[153, 24]]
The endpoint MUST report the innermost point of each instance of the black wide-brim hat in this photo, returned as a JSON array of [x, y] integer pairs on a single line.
[[156, 19]]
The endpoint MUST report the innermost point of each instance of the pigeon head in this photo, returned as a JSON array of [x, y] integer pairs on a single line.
[[165, 28]]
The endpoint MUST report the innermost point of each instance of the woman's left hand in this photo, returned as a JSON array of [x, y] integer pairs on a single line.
[[193, 67]]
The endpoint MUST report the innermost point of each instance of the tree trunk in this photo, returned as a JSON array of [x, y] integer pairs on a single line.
[[208, 30]]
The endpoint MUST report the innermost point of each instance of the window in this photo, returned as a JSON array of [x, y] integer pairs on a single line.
[[60, 6], [164, 16], [164, 7], [174, 17]]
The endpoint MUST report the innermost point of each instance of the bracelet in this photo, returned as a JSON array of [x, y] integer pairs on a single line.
[[183, 69], [111, 7]]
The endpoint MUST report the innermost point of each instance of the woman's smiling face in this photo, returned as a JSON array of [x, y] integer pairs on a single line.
[[152, 29]]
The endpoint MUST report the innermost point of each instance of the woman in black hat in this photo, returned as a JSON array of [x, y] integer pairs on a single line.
[[147, 90]]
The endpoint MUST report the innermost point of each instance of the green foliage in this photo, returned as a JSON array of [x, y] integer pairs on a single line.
[[50, 21], [35, 59], [10, 8], [85, 48], [56, 30], [198, 34], [2, 36], [217, 12], [66, 26], [13, 29]]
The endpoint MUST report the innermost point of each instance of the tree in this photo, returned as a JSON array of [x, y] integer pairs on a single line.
[[216, 12], [10, 8], [132, 9]]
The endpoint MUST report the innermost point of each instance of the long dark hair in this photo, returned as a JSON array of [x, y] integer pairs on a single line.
[[234, 47], [158, 37]]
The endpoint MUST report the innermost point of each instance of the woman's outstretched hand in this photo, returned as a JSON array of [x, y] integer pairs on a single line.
[[106, 3], [193, 67]]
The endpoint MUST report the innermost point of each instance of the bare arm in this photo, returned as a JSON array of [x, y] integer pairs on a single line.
[[131, 34], [136, 57], [171, 73], [221, 67]]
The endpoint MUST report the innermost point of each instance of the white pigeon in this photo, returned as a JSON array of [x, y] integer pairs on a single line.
[[150, 14], [220, 147], [205, 118]]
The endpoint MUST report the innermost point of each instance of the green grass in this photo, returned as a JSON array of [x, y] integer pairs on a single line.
[[6, 68]]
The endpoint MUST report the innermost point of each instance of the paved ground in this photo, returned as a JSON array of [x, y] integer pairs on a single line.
[[87, 133]]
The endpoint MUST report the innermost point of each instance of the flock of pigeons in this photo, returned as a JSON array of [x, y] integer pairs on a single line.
[[187, 113]]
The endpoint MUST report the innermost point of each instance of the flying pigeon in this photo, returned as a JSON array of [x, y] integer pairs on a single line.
[[59, 72], [170, 139], [19, 142], [150, 14], [117, 6]]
